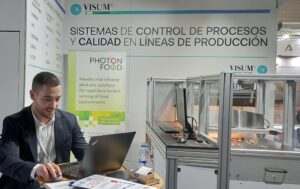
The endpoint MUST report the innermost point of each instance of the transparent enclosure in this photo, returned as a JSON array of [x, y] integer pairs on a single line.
[[265, 109], [253, 119], [257, 114], [204, 104], [161, 100], [193, 101], [265, 112]]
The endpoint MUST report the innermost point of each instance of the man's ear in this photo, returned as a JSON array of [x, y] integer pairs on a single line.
[[32, 94]]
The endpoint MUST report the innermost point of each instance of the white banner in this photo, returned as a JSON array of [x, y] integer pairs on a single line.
[[186, 30]]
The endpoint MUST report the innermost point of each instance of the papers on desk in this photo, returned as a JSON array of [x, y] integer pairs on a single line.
[[143, 170], [103, 182], [66, 184]]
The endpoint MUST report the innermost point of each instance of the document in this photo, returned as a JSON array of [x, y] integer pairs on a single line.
[[103, 182], [66, 184], [143, 170]]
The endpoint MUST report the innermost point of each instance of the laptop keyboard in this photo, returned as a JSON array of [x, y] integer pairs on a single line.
[[168, 129], [70, 171]]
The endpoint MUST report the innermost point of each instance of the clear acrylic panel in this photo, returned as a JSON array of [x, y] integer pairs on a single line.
[[297, 118], [193, 102], [257, 114], [213, 89]]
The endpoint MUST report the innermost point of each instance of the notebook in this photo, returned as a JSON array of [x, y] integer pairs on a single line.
[[104, 153]]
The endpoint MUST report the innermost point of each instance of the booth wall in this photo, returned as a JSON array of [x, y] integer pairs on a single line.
[[182, 59], [12, 53]]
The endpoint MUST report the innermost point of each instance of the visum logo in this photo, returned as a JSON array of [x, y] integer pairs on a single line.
[[241, 68], [97, 8], [75, 9], [262, 69]]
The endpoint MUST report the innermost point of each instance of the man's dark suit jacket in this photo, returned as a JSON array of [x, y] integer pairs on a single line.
[[18, 146]]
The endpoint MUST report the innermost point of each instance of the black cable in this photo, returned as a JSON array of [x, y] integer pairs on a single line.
[[194, 127], [268, 123]]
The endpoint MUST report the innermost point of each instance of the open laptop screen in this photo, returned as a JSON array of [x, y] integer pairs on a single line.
[[107, 152], [104, 153]]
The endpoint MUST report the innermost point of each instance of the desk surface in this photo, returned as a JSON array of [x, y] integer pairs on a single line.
[[158, 186], [171, 142], [161, 182]]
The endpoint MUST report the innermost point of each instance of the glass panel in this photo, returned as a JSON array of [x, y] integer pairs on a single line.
[[257, 115], [244, 94], [148, 104], [297, 118], [278, 109], [213, 108], [193, 101]]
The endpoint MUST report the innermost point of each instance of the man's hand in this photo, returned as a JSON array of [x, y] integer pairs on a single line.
[[48, 172]]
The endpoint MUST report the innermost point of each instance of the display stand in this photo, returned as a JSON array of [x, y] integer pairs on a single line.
[[249, 118]]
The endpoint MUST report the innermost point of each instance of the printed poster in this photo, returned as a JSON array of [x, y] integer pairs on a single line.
[[96, 87]]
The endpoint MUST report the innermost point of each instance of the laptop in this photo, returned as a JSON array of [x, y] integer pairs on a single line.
[[104, 153]]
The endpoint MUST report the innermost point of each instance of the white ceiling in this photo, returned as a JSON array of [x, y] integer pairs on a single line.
[[289, 17], [289, 11]]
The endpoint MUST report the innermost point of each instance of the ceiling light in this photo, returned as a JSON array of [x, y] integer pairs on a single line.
[[286, 36]]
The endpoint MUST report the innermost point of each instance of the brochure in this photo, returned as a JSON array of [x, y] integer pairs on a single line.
[[66, 184], [104, 182]]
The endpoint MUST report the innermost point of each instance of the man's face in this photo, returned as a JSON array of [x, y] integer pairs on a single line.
[[45, 101]]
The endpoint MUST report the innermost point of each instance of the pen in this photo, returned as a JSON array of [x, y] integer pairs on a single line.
[[71, 183]]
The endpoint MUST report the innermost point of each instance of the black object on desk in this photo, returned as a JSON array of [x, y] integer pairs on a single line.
[[169, 129], [181, 140], [124, 174], [113, 146]]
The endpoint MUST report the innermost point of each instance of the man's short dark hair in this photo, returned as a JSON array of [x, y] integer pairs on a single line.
[[44, 78]]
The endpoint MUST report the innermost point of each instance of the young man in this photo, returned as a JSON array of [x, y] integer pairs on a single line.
[[38, 138]]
